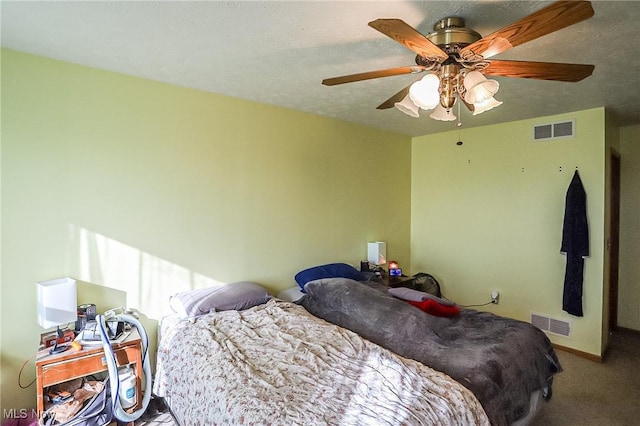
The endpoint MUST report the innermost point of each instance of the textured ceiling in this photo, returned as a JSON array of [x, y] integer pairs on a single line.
[[279, 52]]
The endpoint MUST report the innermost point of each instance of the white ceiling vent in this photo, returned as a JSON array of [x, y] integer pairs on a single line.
[[558, 326], [563, 129]]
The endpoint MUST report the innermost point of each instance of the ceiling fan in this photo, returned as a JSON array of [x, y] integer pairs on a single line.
[[456, 60]]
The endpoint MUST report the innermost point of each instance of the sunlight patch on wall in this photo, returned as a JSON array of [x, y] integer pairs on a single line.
[[147, 280]]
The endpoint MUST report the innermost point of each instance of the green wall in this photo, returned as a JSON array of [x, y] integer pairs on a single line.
[[140, 189], [149, 189], [488, 214], [629, 273]]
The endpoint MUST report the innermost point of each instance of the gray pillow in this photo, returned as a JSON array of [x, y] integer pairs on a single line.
[[417, 296], [292, 294], [234, 296]]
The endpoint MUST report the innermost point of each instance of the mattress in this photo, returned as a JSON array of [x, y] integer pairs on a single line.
[[503, 361], [277, 364]]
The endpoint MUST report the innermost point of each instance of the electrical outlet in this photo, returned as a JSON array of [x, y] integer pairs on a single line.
[[495, 296]]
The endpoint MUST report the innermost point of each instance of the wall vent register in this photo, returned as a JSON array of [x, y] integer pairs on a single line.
[[563, 129], [558, 326]]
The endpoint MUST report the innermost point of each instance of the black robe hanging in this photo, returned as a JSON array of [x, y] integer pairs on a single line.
[[575, 243]]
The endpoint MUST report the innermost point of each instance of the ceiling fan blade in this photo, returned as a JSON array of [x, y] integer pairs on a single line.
[[552, 18], [539, 70], [469, 106], [373, 74], [389, 103], [408, 36]]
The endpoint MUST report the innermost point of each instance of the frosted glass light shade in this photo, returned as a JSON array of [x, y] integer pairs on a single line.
[[407, 106], [57, 302], [425, 92], [377, 253], [486, 105], [479, 89], [473, 78], [442, 114]]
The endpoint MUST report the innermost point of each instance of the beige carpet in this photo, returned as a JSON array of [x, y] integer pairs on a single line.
[[585, 393], [593, 393]]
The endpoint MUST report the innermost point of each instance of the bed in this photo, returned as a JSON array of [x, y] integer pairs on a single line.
[[507, 364], [273, 363]]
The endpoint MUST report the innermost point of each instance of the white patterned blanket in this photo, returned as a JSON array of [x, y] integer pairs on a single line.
[[277, 364]]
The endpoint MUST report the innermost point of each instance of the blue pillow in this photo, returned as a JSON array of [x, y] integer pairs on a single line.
[[331, 270]]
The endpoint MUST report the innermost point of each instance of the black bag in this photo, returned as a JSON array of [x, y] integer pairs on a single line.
[[96, 412]]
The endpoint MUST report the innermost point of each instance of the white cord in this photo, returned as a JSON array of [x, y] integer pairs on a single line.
[[114, 380]]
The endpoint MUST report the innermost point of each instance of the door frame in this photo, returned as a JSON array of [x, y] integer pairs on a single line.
[[613, 240]]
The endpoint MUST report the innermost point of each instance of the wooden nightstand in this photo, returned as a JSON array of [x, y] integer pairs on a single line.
[[69, 365], [402, 281]]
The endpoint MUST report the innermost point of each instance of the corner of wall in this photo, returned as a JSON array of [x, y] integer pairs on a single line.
[[488, 215], [629, 272]]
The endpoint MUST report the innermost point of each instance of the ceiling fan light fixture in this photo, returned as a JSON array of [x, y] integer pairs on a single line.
[[473, 78], [482, 92], [478, 88], [407, 106], [425, 92], [442, 114], [485, 105], [456, 59]]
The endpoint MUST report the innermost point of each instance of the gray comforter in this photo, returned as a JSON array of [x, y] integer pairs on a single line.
[[501, 360]]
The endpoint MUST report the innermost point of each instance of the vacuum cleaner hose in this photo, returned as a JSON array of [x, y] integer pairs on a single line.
[[114, 381]]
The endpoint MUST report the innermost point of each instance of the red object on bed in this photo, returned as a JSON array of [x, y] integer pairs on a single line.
[[432, 307]]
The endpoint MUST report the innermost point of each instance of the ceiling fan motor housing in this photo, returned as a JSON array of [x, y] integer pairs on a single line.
[[450, 33]]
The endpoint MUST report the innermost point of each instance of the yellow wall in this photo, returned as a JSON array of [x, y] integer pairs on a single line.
[[150, 188], [488, 215], [629, 275], [147, 189]]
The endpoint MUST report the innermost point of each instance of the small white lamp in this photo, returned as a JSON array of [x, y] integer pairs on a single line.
[[377, 253], [57, 305]]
